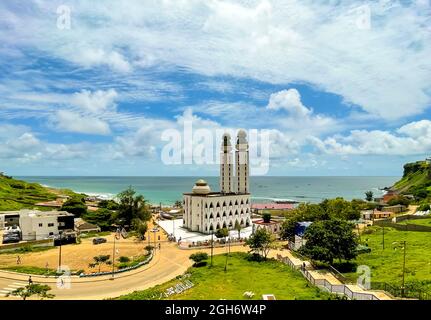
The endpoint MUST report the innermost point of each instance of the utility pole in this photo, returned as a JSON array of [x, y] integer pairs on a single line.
[[404, 270], [113, 257], [383, 238], [212, 246], [59, 255]]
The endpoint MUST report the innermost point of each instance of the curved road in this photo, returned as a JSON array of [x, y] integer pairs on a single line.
[[166, 264]]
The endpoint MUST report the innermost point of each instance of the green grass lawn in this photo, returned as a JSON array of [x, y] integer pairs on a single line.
[[269, 277], [386, 265], [421, 222]]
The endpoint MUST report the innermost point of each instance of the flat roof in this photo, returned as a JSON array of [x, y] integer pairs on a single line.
[[272, 206], [215, 194]]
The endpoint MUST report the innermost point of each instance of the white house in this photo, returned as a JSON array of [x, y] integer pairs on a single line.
[[206, 211], [38, 225]]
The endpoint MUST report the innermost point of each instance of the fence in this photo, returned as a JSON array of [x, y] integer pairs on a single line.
[[402, 227], [35, 243], [325, 284], [409, 293]]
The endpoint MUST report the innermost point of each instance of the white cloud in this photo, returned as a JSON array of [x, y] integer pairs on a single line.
[[72, 122], [412, 139], [385, 69], [95, 102], [289, 100]]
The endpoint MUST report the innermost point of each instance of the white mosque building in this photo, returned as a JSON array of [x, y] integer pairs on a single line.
[[206, 211]]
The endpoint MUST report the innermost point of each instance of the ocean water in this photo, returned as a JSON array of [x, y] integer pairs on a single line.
[[167, 190]]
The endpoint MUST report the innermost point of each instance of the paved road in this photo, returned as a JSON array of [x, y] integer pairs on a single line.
[[166, 265]]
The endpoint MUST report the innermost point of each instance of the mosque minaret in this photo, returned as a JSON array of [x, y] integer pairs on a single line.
[[206, 211]]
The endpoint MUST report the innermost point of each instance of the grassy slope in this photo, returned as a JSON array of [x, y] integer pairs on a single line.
[[268, 277], [386, 265], [415, 174], [17, 194]]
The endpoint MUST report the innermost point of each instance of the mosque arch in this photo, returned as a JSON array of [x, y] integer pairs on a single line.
[[218, 215], [211, 205], [224, 213]]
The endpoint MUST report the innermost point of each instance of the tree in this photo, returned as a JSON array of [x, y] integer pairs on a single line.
[[132, 207], [399, 200], [222, 233], [199, 258], [40, 290], [287, 230], [261, 242], [75, 205], [99, 260], [140, 227], [330, 239], [339, 208], [266, 217], [178, 204], [102, 218], [369, 195], [238, 228], [108, 204]]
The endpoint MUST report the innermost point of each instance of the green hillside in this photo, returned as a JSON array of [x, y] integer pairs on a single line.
[[17, 194], [416, 180]]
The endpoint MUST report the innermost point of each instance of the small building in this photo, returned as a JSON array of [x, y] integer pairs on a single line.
[[9, 219], [396, 209], [82, 226], [367, 214], [257, 208], [299, 240], [272, 226], [39, 225], [389, 196], [383, 214]]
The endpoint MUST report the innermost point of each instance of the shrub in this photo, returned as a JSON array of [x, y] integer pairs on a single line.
[[199, 259], [124, 259], [424, 207]]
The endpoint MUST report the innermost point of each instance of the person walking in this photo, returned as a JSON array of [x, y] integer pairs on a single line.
[[18, 260], [30, 281], [160, 246]]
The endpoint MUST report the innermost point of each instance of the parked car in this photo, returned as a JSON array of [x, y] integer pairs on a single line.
[[99, 240], [11, 238]]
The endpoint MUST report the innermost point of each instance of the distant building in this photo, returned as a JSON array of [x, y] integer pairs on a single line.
[[272, 226], [206, 211], [396, 209], [82, 226], [299, 240], [259, 207], [38, 225]]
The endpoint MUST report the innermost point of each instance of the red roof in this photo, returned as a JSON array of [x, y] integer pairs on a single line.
[[274, 206]]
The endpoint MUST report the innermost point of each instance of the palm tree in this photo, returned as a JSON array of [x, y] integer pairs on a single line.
[[369, 195], [132, 207], [237, 227]]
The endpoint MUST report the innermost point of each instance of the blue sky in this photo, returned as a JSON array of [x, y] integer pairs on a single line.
[[343, 87]]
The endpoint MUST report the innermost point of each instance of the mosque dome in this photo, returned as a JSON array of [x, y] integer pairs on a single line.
[[201, 187]]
